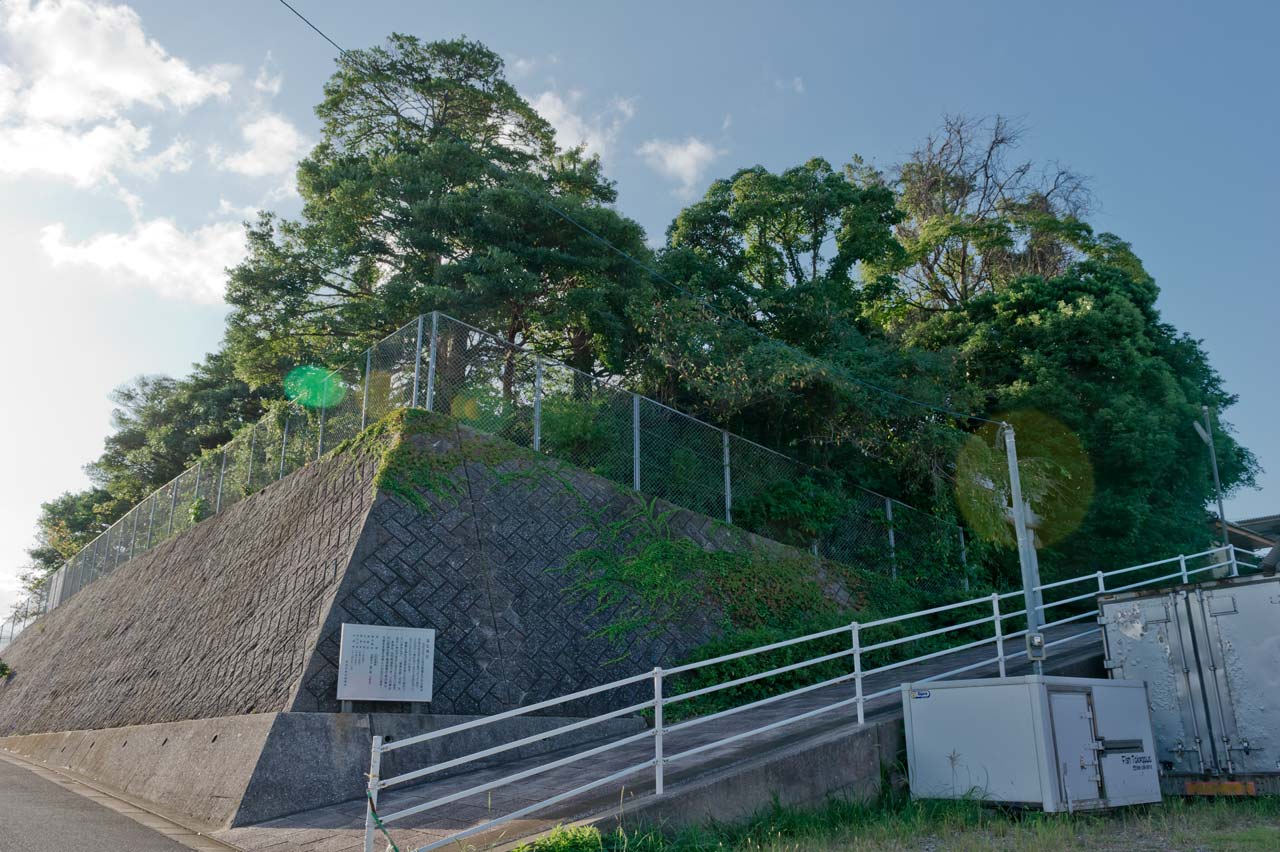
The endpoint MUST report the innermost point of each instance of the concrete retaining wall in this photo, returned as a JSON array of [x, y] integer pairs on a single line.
[[239, 770]]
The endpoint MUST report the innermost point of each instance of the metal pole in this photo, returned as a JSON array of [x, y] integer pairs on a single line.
[[1182, 566], [375, 769], [151, 520], [893, 545], [657, 732], [537, 403], [1235, 566], [728, 480], [999, 625], [431, 364], [173, 502], [364, 402], [1102, 583], [635, 442], [417, 363], [222, 474], [253, 444], [1026, 558], [199, 476], [284, 448], [1217, 483], [320, 437], [857, 669]]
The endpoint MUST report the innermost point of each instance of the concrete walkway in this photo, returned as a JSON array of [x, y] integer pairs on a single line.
[[42, 811], [340, 828]]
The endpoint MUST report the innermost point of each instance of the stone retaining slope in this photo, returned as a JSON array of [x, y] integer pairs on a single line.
[[218, 621]]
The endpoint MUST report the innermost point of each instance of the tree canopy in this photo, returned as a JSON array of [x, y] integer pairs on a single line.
[[800, 307]]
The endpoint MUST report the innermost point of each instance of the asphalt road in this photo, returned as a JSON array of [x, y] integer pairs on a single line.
[[39, 816]]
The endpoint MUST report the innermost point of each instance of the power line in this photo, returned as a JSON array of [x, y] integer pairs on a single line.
[[842, 372]]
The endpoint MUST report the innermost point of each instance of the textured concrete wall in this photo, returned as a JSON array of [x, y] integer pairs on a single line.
[[242, 613], [217, 621], [239, 770], [483, 567]]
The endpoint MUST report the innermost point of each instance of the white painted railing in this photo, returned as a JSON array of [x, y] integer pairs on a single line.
[[1188, 568]]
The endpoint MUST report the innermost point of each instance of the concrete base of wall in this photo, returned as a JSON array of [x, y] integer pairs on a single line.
[[239, 770]]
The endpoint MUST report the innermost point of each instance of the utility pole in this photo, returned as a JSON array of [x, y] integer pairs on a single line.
[[1032, 597], [1206, 434]]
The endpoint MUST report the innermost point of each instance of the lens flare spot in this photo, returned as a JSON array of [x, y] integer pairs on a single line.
[[314, 387], [1056, 476]]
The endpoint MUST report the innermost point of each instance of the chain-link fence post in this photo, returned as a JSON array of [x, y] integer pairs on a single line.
[[728, 479], [417, 363], [253, 443], [173, 503], [284, 447], [635, 442], [893, 544], [151, 520], [364, 401], [431, 363], [222, 475], [537, 403], [320, 437]]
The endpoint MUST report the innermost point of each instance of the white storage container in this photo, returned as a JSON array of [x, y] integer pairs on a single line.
[[1058, 743], [1210, 654]]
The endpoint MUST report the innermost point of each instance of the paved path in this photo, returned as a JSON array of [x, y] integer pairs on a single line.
[[340, 828], [41, 811]]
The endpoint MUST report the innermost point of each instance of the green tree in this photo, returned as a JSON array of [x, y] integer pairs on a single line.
[[436, 186], [1088, 349], [973, 220]]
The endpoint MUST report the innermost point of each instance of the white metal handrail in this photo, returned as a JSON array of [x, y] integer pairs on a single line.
[[859, 700]]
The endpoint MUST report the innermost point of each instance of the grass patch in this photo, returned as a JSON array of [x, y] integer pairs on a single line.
[[898, 823]]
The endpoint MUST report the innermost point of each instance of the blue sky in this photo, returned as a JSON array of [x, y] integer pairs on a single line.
[[134, 139]]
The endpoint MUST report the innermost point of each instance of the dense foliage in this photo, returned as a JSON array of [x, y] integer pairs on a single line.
[[783, 305]]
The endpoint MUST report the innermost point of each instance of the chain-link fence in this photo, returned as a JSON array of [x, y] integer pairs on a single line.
[[445, 365]]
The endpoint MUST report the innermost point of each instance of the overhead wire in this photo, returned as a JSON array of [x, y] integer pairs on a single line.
[[840, 371]]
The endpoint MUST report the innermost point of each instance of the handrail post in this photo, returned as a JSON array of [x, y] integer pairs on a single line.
[[998, 622], [657, 732], [855, 629], [1182, 566], [417, 363], [728, 479], [635, 441], [364, 402], [375, 768], [431, 362], [537, 403], [1235, 566], [1102, 583]]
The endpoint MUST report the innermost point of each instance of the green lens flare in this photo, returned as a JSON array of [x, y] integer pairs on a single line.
[[314, 387]]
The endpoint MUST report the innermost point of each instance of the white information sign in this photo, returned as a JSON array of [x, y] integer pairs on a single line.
[[378, 663]]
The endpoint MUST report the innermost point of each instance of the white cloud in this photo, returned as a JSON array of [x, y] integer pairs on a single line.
[[158, 255], [273, 147], [684, 162], [795, 84], [267, 83], [74, 68], [84, 158], [598, 133], [86, 61]]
